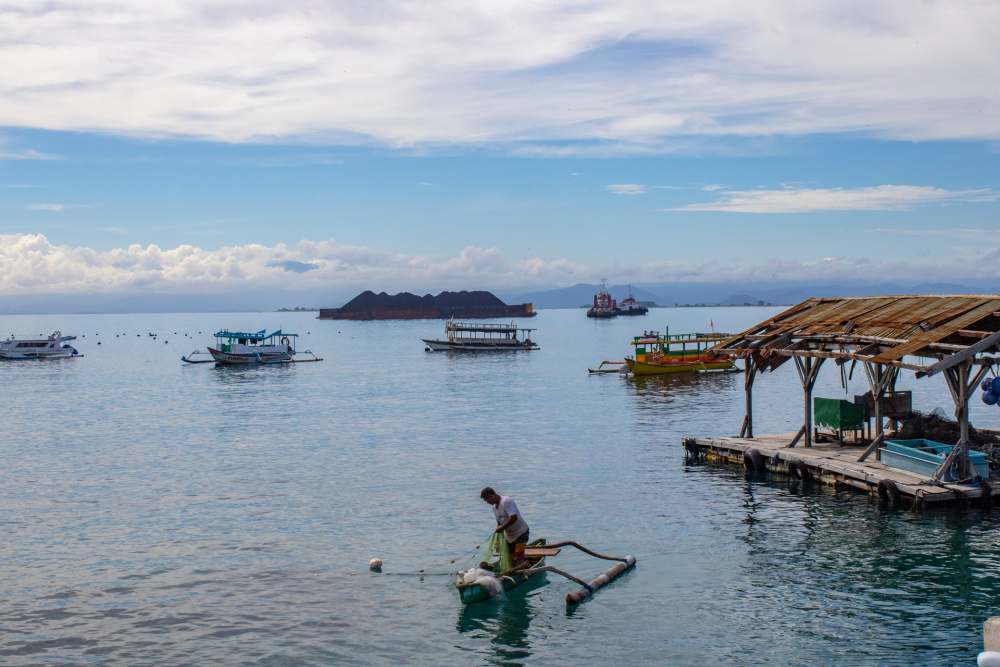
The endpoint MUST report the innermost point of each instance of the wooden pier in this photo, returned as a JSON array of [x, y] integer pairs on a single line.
[[835, 464]]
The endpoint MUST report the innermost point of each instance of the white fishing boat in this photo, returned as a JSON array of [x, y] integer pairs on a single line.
[[469, 337], [245, 348], [54, 347]]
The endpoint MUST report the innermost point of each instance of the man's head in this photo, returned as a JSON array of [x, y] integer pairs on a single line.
[[490, 496]]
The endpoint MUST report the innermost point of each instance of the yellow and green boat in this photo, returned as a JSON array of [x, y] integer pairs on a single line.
[[657, 354]]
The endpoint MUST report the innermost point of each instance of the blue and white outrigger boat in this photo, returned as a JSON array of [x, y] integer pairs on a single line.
[[239, 348]]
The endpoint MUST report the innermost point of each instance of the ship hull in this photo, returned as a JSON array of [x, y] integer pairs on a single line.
[[643, 368], [229, 358], [445, 346]]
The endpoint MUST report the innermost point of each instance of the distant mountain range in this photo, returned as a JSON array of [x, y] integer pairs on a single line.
[[730, 294], [577, 296]]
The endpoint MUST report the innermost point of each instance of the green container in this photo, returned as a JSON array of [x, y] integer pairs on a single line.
[[838, 414]]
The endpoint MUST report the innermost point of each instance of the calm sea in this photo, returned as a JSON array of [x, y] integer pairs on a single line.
[[156, 513]]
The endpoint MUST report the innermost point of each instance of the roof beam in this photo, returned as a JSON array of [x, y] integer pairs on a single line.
[[983, 345]]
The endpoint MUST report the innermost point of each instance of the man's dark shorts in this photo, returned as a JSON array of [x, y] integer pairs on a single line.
[[518, 545]]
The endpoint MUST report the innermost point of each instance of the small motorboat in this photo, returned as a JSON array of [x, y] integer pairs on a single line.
[[54, 347]]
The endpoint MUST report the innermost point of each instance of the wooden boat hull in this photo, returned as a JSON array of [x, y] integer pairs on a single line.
[[248, 359], [444, 346], [473, 593], [644, 368]]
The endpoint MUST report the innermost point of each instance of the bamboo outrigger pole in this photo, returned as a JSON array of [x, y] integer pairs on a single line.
[[600, 581], [624, 564]]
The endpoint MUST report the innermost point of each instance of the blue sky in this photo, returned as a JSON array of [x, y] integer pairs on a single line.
[[417, 146]]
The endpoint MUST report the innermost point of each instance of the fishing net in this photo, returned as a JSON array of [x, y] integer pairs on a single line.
[[497, 545]]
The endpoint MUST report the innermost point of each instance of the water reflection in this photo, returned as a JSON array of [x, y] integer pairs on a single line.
[[506, 620], [661, 389]]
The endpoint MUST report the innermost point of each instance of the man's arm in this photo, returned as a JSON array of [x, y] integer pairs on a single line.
[[507, 524]]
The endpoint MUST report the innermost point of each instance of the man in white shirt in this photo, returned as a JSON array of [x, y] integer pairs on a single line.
[[509, 522]]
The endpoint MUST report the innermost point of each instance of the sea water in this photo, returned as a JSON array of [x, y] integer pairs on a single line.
[[159, 513]]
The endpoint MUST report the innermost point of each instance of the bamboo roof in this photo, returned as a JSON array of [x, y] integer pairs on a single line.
[[927, 334]]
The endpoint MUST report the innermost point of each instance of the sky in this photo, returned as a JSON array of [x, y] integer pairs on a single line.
[[231, 146]]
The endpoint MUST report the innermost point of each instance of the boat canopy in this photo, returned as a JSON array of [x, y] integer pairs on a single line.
[[256, 336], [654, 338], [484, 328]]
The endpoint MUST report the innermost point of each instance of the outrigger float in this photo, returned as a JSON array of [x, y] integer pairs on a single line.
[[677, 353], [240, 348], [484, 583]]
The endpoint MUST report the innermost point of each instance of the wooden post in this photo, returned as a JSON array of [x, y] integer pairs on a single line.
[[877, 381], [808, 369], [957, 377], [749, 371], [991, 634], [962, 414]]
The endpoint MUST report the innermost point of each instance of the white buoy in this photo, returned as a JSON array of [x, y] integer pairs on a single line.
[[375, 565]]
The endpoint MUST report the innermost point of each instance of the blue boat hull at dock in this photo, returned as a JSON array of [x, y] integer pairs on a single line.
[[924, 457]]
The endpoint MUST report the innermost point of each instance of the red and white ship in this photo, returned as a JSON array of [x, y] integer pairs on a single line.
[[605, 305]]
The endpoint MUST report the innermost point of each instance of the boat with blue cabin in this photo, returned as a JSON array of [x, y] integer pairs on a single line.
[[245, 348]]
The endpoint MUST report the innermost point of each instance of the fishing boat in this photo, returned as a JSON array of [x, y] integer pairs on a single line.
[[468, 337], [657, 354], [606, 367], [604, 306], [54, 347], [534, 556], [240, 348]]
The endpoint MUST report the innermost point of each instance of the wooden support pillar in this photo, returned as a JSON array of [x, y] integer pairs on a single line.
[[960, 385], [808, 368], [749, 372], [878, 380]]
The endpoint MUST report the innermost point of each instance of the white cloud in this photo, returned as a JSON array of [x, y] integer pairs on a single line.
[[628, 189], [712, 187], [26, 153], [811, 200], [31, 265], [630, 76], [54, 207]]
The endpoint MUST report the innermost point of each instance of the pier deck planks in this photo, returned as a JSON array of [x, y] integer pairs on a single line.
[[831, 463]]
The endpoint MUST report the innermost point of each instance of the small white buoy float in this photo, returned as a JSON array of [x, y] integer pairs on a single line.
[[375, 565]]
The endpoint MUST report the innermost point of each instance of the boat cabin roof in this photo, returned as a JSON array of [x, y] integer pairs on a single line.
[[255, 336], [654, 338], [485, 327]]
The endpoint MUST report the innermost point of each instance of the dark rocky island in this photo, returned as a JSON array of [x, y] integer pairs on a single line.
[[406, 306]]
